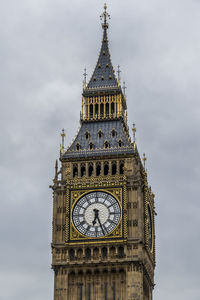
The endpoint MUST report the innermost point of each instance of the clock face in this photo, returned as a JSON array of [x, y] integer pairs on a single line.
[[150, 239], [96, 214]]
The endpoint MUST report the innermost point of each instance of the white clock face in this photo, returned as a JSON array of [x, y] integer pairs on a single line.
[[96, 214]]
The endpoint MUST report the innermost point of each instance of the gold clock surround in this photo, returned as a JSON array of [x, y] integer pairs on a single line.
[[118, 234]]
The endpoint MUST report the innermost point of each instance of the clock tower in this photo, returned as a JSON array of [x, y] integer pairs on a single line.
[[103, 237]]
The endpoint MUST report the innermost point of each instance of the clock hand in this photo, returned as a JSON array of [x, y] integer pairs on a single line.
[[100, 225], [96, 215]]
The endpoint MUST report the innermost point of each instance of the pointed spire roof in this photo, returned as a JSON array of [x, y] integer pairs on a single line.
[[103, 75]]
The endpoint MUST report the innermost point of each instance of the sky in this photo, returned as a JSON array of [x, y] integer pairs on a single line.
[[44, 47]]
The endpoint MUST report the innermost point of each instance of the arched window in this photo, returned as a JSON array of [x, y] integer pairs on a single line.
[[112, 251], [114, 168], [78, 146], [82, 170], [113, 133], [100, 133], [90, 170], [112, 108], [96, 253], [104, 252], [80, 253], [91, 146], [87, 135], [88, 253], [98, 169], [71, 254], [107, 109], [121, 168], [120, 143], [121, 251], [106, 144], [96, 110], [91, 110], [75, 171], [102, 109], [106, 169]]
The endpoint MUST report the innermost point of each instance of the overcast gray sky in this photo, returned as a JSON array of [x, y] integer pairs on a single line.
[[45, 46]]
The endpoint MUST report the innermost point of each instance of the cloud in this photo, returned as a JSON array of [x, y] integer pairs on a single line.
[[45, 46]]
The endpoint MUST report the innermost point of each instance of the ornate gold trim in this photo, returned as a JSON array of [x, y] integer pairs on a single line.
[[119, 233]]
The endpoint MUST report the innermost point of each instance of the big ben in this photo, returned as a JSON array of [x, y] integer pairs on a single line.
[[103, 233]]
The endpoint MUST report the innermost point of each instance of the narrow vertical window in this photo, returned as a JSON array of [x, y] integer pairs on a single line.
[[112, 108], [90, 170], [114, 169], [107, 109], [88, 253], [71, 254], [75, 171], [106, 169], [82, 170], [91, 110], [121, 168], [101, 109], [98, 169], [96, 110]]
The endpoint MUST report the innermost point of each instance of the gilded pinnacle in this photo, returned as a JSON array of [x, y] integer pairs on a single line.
[[104, 16], [118, 72], [63, 138], [144, 159], [124, 88], [134, 131]]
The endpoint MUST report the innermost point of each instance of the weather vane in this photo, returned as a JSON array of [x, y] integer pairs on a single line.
[[104, 16]]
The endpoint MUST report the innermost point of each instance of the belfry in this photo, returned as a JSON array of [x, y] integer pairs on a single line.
[[103, 236]]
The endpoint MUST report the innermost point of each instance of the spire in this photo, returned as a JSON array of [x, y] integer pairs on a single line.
[[103, 75]]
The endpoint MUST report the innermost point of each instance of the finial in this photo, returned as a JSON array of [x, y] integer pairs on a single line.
[[124, 88], [63, 139], [134, 131], [144, 159], [56, 169], [85, 77], [118, 72], [104, 16]]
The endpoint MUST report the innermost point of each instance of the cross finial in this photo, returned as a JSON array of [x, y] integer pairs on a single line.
[[118, 72], [134, 131], [104, 16], [124, 88], [63, 139], [85, 77], [144, 159]]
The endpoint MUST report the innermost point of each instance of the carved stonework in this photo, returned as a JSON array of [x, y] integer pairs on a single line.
[[103, 223]]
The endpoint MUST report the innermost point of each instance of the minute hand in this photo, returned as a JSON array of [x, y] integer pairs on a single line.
[[100, 225]]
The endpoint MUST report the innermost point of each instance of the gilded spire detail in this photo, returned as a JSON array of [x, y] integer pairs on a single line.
[[104, 17], [104, 74]]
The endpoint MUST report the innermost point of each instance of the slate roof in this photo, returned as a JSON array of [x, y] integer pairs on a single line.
[[106, 128], [103, 75]]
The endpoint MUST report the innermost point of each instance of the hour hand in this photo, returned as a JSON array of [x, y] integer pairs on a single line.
[[96, 215]]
